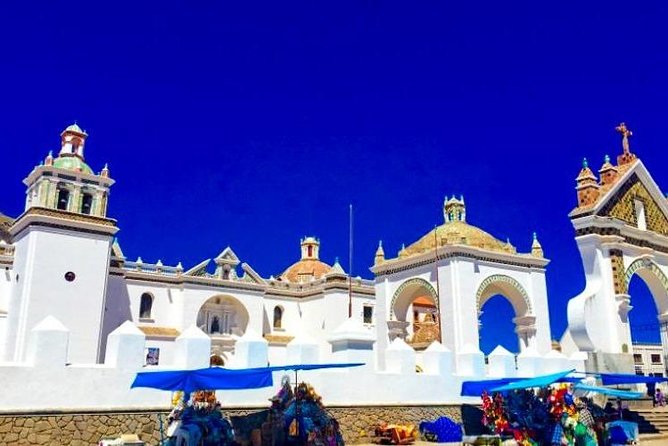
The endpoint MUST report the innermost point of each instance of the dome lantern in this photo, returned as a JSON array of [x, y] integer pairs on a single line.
[[454, 209]]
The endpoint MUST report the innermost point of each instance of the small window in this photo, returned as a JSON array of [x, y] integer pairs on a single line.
[[637, 358], [63, 199], [278, 317], [310, 251], [656, 359], [86, 203], [145, 306], [640, 215], [367, 313]]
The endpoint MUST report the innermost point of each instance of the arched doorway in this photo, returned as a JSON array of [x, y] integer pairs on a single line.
[[500, 290], [223, 316], [647, 288], [496, 326], [414, 314]]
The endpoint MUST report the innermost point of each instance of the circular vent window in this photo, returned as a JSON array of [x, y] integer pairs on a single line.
[[70, 276]]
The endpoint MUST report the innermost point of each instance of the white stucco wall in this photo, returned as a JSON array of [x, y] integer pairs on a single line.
[[42, 257]]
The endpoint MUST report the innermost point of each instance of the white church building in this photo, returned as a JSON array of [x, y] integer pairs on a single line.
[[63, 264]]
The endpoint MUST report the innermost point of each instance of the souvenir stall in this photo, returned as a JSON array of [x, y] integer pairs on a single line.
[[550, 410]]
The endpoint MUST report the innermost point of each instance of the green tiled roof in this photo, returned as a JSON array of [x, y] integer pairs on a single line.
[[72, 163]]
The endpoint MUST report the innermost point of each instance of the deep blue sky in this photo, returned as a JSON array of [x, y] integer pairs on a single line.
[[253, 127]]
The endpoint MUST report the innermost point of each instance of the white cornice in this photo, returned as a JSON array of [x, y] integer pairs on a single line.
[[454, 251], [39, 171], [62, 219]]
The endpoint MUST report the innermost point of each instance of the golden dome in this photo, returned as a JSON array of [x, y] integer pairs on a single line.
[[306, 270], [459, 233]]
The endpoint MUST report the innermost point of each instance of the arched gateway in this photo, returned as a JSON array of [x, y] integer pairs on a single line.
[[621, 225], [442, 280]]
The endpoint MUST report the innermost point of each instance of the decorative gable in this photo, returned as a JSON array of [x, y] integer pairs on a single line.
[[622, 205], [227, 257]]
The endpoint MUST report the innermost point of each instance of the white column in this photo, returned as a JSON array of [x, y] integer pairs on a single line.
[[382, 287], [663, 321]]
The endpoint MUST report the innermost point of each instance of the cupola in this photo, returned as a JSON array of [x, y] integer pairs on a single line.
[[454, 209]]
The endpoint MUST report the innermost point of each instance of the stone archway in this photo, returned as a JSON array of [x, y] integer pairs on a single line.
[[657, 283], [421, 326], [514, 292], [223, 316]]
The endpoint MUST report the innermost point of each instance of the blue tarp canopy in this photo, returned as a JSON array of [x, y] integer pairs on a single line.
[[313, 366], [610, 392], [538, 381], [475, 388], [611, 379], [210, 378], [217, 378]]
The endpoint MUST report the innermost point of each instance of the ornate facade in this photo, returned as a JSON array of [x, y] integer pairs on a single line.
[[621, 225], [61, 255]]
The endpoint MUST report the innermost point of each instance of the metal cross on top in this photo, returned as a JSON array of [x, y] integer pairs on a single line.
[[621, 128]]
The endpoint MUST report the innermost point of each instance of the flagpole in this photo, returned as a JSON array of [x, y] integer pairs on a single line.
[[438, 290], [350, 262]]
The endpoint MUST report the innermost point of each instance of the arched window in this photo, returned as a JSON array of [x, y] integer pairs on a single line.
[[278, 317], [86, 203], [215, 325], [145, 306], [63, 199]]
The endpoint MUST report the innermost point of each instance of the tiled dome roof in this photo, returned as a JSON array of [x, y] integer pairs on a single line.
[[306, 270], [458, 233]]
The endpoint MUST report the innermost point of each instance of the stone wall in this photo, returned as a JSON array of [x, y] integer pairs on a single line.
[[87, 428]]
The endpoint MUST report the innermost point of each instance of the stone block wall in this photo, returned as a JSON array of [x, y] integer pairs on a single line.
[[88, 428], [76, 429]]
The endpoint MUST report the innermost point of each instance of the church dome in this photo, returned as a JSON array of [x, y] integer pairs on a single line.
[[306, 270], [72, 163], [74, 128], [309, 267], [456, 231]]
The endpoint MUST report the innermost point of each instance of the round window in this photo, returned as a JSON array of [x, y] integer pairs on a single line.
[[70, 276]]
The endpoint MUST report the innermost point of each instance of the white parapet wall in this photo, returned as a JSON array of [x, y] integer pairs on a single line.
[[45, 381]]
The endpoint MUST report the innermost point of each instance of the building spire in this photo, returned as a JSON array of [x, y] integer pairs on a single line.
[[380, 254], [607, 172], [536, 248], [587, 186]]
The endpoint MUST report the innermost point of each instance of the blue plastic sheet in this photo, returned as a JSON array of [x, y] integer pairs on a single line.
[[610, 392], [217, 378], [210, 378], [314, 366], [475, 388], [610, 379], [443, 429], [539, 381]]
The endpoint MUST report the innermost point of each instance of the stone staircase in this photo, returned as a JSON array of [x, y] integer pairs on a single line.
[[650, 420]]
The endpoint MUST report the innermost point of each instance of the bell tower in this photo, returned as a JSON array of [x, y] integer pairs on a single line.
[[62, 245]]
